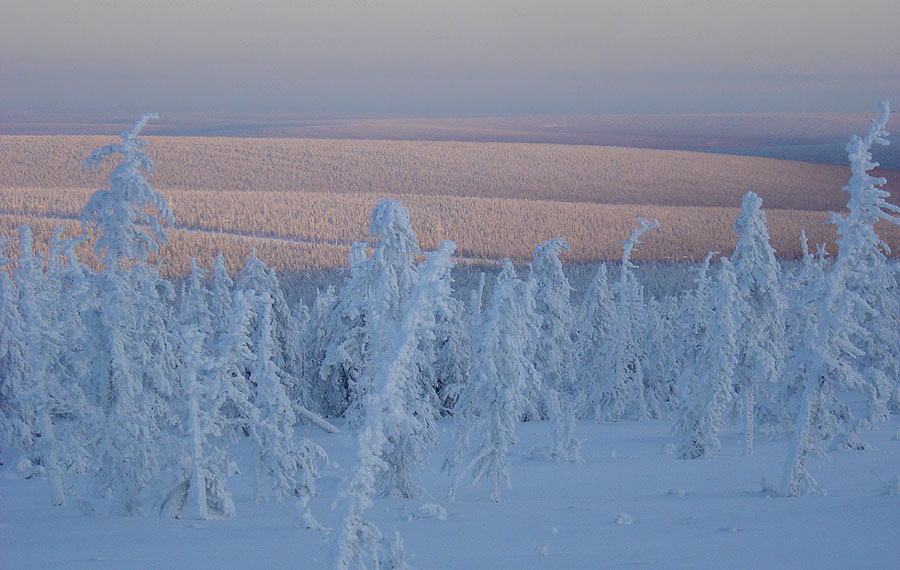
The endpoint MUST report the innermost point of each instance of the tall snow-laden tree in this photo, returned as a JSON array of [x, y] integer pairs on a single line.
[[777, 413], [501, 375], [595, 333], [863, 255], [221, 287], [707, 384], [663, 367], [371, 297], [47, 391], [273, 430], [327, 398], [832, 356], [132, 376], [389, 440], [258, 278], [16, 416], [625, 395], [761, 338], [451, 356], [234, 358], [197, 460], [341, 340], [69, 283], [555, 347], [127, 447]]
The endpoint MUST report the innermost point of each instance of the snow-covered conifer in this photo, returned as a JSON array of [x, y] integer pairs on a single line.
[[451, 354], [776, 414], [127, 446], [132, 377], [595, 333], [832, 356], [707, 384], [369, 299], [273, 430], [233, 359], [625, 395], [310, 456], [761, 338], [663, 367], [405, 348], [46, 391], [476, 299], [390, 437], [501, 374], [862, 255], [327, 399], [286, 352], [555, 347], [197, 460], [220, 288], [16, 416]]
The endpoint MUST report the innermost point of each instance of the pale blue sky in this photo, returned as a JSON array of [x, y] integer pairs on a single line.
[[415, 57]]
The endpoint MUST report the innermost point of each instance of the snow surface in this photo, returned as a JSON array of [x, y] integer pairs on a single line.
[[684, 513]]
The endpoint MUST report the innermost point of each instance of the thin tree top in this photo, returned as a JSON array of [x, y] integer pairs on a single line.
[[634, 240], [118, 213], [131, 147], [867, 200]]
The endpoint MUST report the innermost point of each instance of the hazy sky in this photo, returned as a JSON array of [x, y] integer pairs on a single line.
[[455, 57]]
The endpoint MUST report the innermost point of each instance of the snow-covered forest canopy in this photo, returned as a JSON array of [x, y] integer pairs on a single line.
[[128, 394]]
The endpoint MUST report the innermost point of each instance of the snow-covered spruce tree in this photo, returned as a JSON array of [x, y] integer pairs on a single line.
[[707, 383], [287, 351], [68, 282], [451, 354], [301, 390], [156, 335], [310, 456], [278, 459], [695, 307], [371, 297], [625, 396], [453, 360], [866, 272], [197, 460], [272, 433], [132, 398], [326, 399], [47, 390], [127, 444], [663, 369], [555, 348], [388, 438], [595, 333], [501, 375], [761, 338], [832, 356], [233, 359], [257, 278], [776, 413], [340, 339], [407, 444], [221, 287], [795, 285], [16, 416], [475, 304]]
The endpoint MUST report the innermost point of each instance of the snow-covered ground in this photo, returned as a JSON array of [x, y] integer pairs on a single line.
[[631, 504]]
